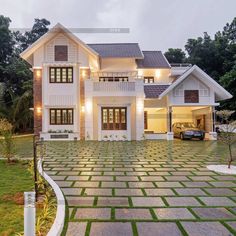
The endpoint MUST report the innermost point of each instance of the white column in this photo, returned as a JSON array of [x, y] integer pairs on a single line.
[[139, 109], [88, 90], [212, 133], [29, 214]]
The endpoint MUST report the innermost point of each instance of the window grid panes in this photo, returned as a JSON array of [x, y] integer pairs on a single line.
[[61, 116], [61, 75]]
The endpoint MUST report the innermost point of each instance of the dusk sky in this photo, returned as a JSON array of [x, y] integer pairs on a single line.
[[154, 24]]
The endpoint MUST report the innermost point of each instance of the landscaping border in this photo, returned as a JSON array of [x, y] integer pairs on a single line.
[[58, 223]]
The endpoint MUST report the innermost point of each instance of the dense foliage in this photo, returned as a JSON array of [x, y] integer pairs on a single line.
[[216, 56], [15, 76]]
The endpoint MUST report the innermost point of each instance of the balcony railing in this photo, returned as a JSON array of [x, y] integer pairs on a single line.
[[114, 86]]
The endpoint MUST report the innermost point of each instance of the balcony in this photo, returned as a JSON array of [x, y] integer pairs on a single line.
[[114, 86]]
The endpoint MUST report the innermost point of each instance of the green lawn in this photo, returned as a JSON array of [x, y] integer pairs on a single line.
[[23, 147], [14, 179]]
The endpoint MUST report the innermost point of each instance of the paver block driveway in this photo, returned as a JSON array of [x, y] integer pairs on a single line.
[[146, 188]]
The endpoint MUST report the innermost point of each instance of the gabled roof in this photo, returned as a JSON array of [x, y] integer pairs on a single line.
[[117, 50], [154, 91], [58, 28], [152, 59], [221, 93]]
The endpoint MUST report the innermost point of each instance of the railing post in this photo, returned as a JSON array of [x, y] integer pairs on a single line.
[[29, 214]]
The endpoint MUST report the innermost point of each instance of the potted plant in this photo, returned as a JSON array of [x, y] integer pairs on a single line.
[[105, 137]]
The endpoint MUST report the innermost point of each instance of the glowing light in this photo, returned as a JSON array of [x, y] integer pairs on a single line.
[[38, 73], [140, 106], [88, 106], [158, 73], [140, 73], [83, 73], [82, 108], [39, 110]]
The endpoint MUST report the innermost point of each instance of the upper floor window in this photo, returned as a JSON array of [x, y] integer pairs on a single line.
[[113, 79], [61, 53], [61, 74], [61, 116], [191, 96], [148, 80]]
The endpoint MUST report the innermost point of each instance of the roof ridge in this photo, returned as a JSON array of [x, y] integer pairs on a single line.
[[108, 43]]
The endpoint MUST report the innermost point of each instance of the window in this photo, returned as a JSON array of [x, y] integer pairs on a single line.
[[113, 79], [61, 53], [62, 116], [191, 96], [148, 80], [114, 118], [145, 120], [61, 74]]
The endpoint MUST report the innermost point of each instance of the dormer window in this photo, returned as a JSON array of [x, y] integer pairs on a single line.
[[148, 80], [61, 53]]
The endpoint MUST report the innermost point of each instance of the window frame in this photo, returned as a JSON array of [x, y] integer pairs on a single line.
[[55, 68], [191, 96], [149, 78], [61, 116], [61, 48], [113, 79], [113, 125]]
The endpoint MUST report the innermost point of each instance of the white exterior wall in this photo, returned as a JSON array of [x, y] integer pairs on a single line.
[[118, 64], [176, 97]]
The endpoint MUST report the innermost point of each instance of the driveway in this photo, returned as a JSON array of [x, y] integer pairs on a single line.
[[146, 188]]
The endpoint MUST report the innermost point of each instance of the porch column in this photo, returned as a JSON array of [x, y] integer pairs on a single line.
[[212, 133], [88, 116], [170, 134]]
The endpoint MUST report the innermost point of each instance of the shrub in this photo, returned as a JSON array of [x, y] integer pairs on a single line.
[[7, 143], [227, 131]]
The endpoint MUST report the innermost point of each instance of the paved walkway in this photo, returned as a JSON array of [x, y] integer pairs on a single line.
[[148, 188]]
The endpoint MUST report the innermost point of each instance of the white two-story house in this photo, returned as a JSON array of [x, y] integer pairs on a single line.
[[115, 91]]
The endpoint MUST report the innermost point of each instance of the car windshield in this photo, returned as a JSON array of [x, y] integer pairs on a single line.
[[188, 125]]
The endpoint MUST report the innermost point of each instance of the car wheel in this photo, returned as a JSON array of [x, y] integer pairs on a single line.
[[182, 136]]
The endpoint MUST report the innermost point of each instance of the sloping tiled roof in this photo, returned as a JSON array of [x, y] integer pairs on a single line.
[[152, 59], [117, 50], [154, 91]]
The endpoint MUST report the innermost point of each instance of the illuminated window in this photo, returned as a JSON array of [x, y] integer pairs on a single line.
[[61, 116], [61, 75]]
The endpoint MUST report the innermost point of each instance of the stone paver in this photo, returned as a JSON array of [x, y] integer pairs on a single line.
[[182, 201], [132, 214], [217, 201], [76, 229], [143, 188], [205, 229], [93, 213], [114, 201], [213, 213], [111, 228], [173, 213], [158, 229], [147, 201]]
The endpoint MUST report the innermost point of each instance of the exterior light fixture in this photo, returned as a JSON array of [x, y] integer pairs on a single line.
[[140, 106], [140, 73], [88, 106], [39, 110], [158, 73], [82, 108], [38, 73]]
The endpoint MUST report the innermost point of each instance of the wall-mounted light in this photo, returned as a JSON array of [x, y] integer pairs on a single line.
[[140, 106], [88, 106], [140, 73], [38, 110], [158, 73], [83, 73], [38, 73], [82, 108]]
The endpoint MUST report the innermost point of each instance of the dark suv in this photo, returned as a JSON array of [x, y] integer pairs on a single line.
[[187, 130]]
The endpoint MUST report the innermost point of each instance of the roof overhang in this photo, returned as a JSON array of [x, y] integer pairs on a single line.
[[221, 93], [58, 28]]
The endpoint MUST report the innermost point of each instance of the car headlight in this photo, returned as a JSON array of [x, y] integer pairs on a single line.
[[189, 132]]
